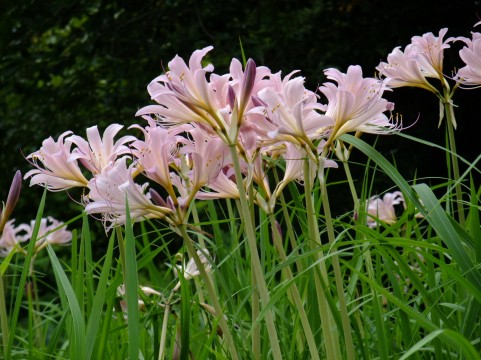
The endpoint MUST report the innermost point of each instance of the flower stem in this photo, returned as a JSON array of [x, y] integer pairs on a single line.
[[163, 334], [294, 291], [337, 270], [329, 330], [255, 260], [210, 290], [450, 121]]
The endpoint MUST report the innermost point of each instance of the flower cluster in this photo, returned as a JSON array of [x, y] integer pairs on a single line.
[[423, 59], [184, 151]]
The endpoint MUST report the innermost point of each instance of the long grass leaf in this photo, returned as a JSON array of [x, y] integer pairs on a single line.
[[131, 289], [77, 343], [24, 274], [98, 301]]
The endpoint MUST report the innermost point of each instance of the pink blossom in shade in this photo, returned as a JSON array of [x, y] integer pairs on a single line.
[[51, 231], [54, 167], [356, 103], [471, 55], [110, 190], [421, 59], [293, 110], [9, 239], [97, 153], [383, 209]]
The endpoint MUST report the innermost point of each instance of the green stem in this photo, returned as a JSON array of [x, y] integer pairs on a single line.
[[294, 291], [329, 330], [450, 121], [210, 289], [163, 335], [255, 260], [350, 181], [3, 316], [337, 270]]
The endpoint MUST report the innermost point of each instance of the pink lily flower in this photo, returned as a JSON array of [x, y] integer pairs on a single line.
[[471, 55], [51, 231], [110, 189], [9, 239], [206, 156], [157, 154], [383, 209], [55, 168], [356, 103], [97, 153], [421, 59], [292, 109]]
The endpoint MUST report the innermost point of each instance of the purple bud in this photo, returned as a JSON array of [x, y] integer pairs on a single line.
[[12, 199], [249, 81], [156, 198], [231, 97]]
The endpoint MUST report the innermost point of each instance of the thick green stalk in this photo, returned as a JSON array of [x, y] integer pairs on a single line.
[[450, 121], [337, 271], [210, 290], [255, 260], [294, 291], [329, 330]]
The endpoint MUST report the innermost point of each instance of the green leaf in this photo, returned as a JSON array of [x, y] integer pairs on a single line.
[[77, 342]]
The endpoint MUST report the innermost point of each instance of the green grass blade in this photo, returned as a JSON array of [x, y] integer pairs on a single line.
[[77, 342], [98, 301], [428, 206], [24, 274], [131, 288]]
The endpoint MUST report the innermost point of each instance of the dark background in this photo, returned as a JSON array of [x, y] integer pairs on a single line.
[[67, 65]]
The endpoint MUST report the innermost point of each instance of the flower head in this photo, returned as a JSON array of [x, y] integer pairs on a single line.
[[110, 190], [421, 59], [356, 103], [97, 153], [383, 208], [55, 167], [471, 55]]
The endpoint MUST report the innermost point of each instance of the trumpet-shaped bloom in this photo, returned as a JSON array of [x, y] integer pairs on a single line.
[[471, 55], [421, 59], [293, 110], [97, 153], [156, 154], [206, 157], [356, 103], [191, 270], [383, 209], [9, 238], [55, 168], [110, 190], [51, 231]]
